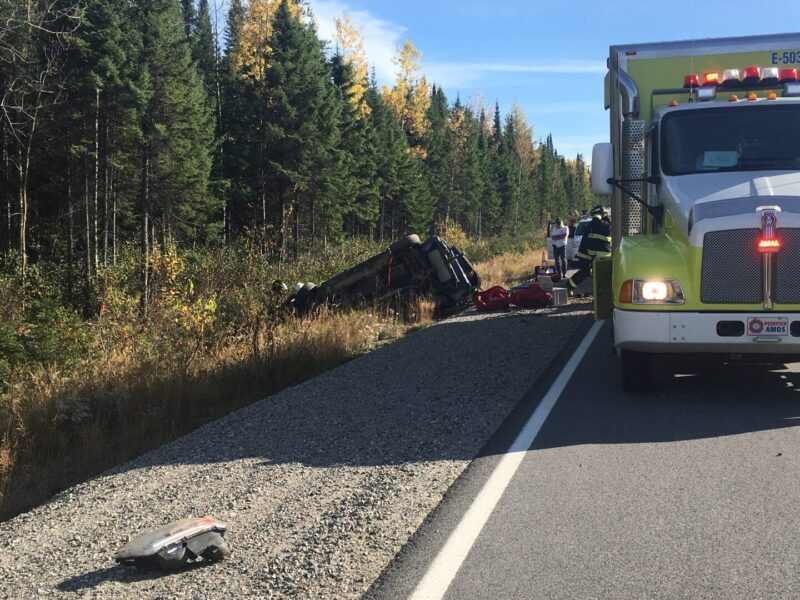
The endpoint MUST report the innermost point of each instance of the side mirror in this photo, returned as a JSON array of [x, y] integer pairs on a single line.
[[602, 169]]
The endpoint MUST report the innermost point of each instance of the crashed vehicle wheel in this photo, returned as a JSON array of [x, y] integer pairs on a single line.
[[404, 244], [175, 545]]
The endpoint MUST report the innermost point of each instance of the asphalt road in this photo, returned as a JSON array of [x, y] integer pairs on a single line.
[[690, 492]]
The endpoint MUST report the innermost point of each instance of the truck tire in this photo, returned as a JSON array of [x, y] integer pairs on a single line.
[[639, 371], [405, 243]]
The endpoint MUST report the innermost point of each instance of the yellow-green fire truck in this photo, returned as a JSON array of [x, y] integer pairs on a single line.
[[704, 169]]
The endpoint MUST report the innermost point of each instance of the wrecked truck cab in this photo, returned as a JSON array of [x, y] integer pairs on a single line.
[[175, 545], [408, 269]]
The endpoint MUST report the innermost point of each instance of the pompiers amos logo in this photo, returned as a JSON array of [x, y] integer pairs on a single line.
[[756, 326], [769, 223]]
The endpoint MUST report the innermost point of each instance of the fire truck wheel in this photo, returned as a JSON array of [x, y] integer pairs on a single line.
[[639, 371]]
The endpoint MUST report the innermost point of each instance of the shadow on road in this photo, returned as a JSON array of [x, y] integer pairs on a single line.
[[430, 396], [714, 400]]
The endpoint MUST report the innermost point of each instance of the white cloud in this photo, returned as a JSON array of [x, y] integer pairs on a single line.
[[381, 38], [456, 74]]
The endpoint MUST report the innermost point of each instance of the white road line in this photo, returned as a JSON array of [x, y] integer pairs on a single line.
[[444, 567]]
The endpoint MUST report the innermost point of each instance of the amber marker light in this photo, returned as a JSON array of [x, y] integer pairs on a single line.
[[733, 98], [752, 97], [673, 103], [772, 96], [626, 292]]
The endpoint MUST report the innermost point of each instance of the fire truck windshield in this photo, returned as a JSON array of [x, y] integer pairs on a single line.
[[746, 137]]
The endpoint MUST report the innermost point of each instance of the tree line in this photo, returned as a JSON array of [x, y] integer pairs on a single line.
[[138, 123]]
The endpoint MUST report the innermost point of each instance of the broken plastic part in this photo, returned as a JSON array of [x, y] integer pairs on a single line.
[[174, 545]]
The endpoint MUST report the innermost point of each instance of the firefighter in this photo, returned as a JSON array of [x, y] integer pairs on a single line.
[[596, 242]]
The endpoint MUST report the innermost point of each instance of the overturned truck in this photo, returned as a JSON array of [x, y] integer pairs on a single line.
[[407, 270]]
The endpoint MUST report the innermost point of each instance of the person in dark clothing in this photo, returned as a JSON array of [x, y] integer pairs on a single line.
[[596, 242], [572, 228]]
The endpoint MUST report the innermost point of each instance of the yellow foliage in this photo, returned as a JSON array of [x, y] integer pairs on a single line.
[[351, 43], [453, 234], [252, 54], [410, 97], [524, 137]]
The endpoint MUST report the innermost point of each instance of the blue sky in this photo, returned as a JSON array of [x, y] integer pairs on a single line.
[[548, 55]]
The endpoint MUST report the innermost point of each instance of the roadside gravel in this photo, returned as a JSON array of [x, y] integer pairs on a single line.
[[320, 485]]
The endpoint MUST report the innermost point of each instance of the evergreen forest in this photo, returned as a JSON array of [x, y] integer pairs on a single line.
[[137, 123], [159, 170]]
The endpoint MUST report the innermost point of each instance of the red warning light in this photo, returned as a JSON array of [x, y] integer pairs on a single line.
[[691, 81], [751, 74], [768, 246]]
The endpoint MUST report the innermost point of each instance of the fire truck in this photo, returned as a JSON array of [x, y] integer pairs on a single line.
[[703, 168]]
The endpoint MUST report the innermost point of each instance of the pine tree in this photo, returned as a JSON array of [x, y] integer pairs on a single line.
[[438, 150], [359, 191], [188, 14], [490, 200], [391, 150], [176, 134], [239, 127], [472, 187], [416, 201], [97, 128], [205, 54], [303, 129], [204, 51]]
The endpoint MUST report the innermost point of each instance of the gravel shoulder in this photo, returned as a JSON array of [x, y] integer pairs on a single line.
[[320, 485]]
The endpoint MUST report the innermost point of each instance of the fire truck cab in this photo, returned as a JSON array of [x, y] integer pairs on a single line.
[[704, 169]]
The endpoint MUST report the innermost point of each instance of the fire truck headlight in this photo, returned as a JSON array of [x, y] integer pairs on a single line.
[[649, 291], [654, 290]]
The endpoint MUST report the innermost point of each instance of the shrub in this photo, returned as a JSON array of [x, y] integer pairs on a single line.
[[56, 335]]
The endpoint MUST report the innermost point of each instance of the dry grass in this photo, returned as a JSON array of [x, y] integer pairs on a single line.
[[68, 430], [510, 268], [145, 382]]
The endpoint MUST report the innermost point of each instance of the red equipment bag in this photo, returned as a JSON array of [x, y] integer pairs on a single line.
[[495, 298], [531, 297]]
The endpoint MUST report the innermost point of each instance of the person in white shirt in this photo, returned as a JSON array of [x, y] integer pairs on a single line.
[[559, 234]]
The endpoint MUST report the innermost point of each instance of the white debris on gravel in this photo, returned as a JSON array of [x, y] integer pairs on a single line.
[[320, 485]]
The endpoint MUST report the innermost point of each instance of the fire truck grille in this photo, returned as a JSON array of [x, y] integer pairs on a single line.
[[732, 269], [787, 267]]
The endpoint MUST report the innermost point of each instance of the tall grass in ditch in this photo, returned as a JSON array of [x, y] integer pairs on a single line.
[[509, 268], [79, 396]]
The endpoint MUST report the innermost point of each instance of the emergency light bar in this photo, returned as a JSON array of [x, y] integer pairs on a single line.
[[749, 79]]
